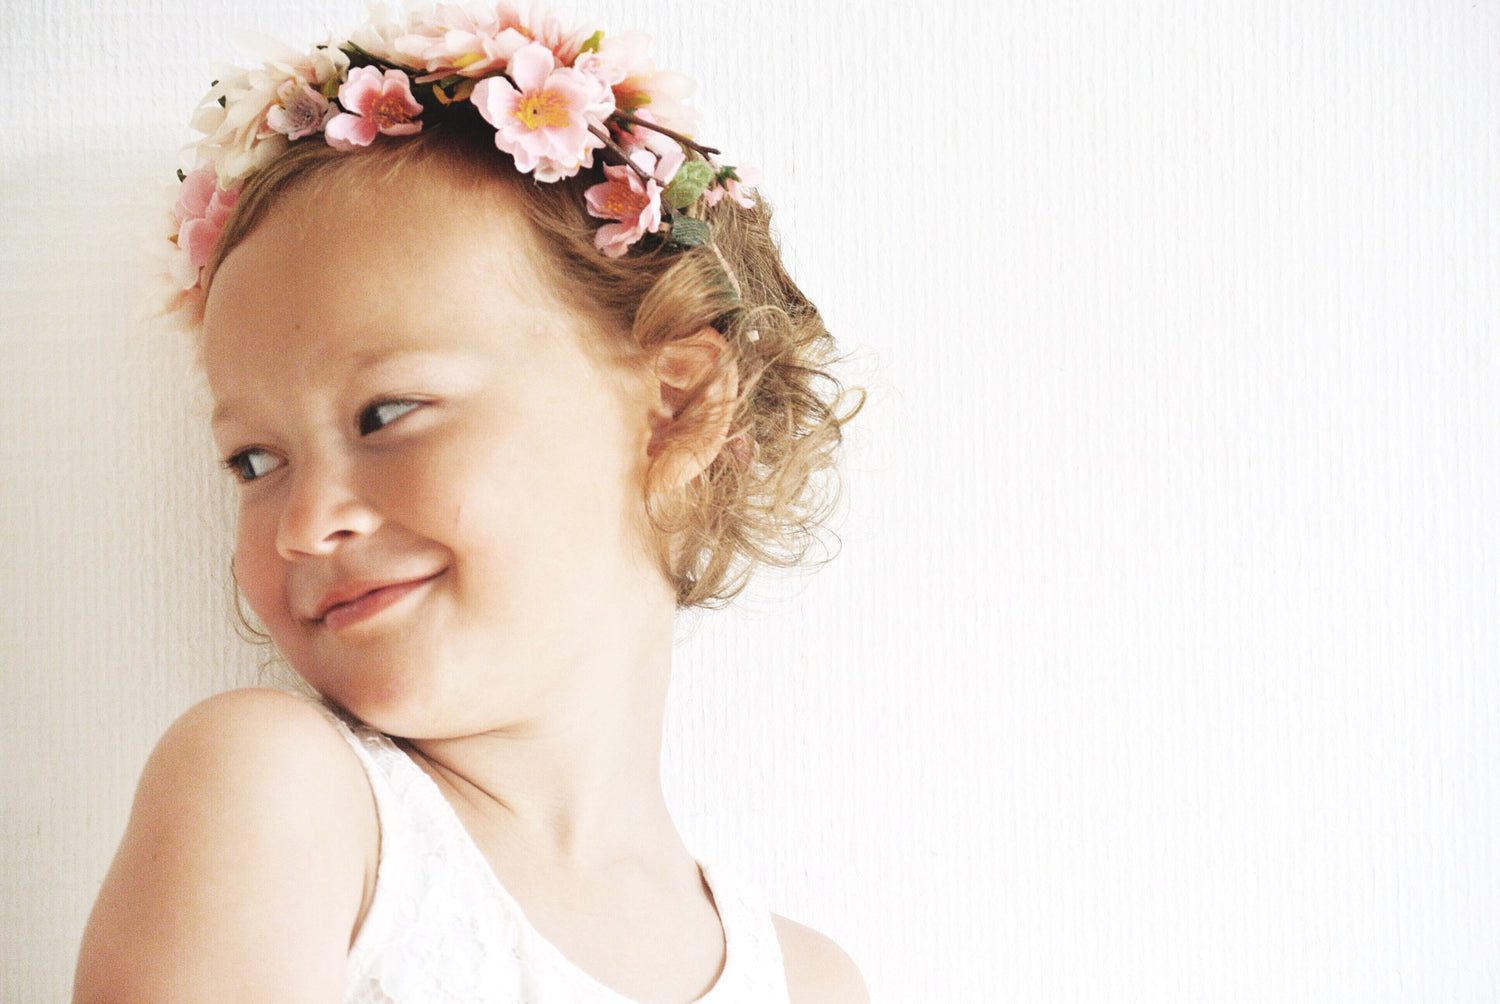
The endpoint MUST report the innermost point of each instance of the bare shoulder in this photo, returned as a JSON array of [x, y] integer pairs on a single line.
[[245, 865], [818, 971]]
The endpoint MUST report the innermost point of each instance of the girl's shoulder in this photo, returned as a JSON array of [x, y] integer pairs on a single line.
[[249, 854], [817, 969], [255, 748]]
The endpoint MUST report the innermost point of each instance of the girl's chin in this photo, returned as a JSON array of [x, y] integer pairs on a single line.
[[394, 702]]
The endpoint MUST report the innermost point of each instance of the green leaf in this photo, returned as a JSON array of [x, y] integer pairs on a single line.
[[688, 232], [591, 44], [359, 56], [180, 175], [689, 183], [355, 49]]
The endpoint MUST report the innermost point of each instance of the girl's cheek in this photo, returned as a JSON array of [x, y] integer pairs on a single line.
[[257, 571]]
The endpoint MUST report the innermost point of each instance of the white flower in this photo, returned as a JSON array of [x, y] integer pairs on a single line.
[[239, 137], [378, 34]]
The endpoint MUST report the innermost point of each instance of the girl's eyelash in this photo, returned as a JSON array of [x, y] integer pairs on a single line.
[[374, 408], [235, 463]]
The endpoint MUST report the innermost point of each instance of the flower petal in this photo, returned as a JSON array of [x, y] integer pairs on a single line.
[[360, 89], [345, 131], [495, 97], [531, 66], [398, 85]]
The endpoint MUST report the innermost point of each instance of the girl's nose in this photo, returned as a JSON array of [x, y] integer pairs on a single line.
[[322, 511]]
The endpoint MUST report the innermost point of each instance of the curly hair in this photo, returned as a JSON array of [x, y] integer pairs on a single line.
[[768, 492]]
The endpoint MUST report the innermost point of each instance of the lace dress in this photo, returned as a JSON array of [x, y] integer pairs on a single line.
[[441, 928]]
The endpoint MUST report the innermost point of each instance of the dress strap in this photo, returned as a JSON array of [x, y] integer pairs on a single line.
[[753, 967], [393, 878]]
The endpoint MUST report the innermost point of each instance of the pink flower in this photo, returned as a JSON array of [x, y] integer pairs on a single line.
[[192, 230], [376, 103], [202, 210], [623, 61], [299, 110], [452, 40], [544, 118], [663, 169], [624, 197], [547, 30], [635, 136], [739, 190], [456, 41]]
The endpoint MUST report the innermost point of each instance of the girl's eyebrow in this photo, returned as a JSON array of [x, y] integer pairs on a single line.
[[462, 362], [371, 358], [222, 412]]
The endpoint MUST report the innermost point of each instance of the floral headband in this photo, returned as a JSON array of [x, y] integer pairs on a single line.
[[554, 96]]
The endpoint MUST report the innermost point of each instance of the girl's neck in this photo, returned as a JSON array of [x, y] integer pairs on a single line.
[[576, 787]]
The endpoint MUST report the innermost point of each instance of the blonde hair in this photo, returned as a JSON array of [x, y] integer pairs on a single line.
[[765, 496]]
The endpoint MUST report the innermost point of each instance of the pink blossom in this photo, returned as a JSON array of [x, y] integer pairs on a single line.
[[548, 30], [375, 103], [638, 136], [624, 197], [739, 190], [663, 169], [624, 61], [453, 40], [299, 110], [543, 113], [202, 210]]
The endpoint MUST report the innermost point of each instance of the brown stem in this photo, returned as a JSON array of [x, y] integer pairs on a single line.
[[679, 137], [619, 151]]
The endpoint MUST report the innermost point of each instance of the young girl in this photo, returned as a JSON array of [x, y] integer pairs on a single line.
[[507, 371]]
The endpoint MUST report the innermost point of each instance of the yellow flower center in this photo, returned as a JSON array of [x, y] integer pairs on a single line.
[[622, 202], [389, 110], [543, 110]]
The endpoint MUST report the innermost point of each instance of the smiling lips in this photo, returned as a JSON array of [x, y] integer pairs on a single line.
[[357, 600]]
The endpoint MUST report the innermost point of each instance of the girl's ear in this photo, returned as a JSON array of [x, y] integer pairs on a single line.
[[693, 436]]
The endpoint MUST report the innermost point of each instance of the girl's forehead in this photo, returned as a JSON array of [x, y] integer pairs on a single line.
[[325, 265], [427, 212], [326, 328]]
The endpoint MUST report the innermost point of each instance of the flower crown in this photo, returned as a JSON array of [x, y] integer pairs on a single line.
[[554, 96]]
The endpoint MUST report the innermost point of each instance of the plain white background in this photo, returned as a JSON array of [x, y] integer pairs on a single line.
[[1158, 660]]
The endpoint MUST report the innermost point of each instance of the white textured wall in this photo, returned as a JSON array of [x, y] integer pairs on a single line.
[[1160, 660]]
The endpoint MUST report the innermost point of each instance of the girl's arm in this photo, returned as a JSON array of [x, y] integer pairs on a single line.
[[246, 864]]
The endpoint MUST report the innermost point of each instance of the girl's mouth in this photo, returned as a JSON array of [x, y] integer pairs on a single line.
[[370, 603]]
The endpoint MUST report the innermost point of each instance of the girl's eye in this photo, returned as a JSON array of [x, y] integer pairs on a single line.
[[383, 413], [247, 465]]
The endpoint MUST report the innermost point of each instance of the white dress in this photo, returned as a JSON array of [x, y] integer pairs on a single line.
[[441, 928]]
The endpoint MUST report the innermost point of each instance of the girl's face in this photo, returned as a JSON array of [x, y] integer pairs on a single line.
[[417, 427]]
